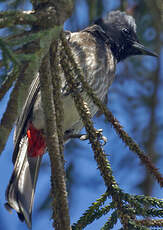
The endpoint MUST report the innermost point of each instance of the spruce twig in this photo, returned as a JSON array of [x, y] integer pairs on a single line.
[[61, 219]]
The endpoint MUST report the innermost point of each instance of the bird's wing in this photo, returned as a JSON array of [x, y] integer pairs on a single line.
[[25, 114], [21, 188]]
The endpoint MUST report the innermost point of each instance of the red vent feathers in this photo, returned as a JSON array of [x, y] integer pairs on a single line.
[[36, 141]]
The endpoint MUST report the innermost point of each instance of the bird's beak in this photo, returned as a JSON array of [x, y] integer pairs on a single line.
[[144, 51]]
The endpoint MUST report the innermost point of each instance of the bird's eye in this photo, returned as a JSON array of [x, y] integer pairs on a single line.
[[125, 31]]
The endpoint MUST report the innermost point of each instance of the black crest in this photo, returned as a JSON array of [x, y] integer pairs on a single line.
[[120, 29]]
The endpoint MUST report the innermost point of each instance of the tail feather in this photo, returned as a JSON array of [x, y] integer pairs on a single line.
[[21, 188]]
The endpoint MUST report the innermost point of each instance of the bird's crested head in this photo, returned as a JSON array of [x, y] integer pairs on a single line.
[[120, 29]]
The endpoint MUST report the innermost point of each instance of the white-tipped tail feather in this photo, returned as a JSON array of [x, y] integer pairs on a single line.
[[21, 189]]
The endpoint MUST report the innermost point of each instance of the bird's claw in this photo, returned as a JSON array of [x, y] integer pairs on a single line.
[[100, 137], [84, 137]]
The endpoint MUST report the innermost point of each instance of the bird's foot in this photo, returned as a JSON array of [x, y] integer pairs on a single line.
[[101, 137], [84, 137]]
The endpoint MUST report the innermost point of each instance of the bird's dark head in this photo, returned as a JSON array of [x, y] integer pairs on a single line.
[[120, 29]]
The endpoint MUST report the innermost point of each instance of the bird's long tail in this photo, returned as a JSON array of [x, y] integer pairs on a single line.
[[21, 188]]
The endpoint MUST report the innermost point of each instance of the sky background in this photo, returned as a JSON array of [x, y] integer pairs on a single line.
[[133, 80]]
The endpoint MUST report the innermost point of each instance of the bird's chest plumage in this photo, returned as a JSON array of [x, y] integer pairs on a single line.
[[98, 66]]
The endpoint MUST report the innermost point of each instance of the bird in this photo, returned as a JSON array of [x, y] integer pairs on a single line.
[[96, 49]]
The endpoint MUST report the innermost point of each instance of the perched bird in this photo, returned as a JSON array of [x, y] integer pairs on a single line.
[[96, 49]]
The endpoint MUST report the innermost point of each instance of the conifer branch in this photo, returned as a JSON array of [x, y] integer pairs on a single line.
[[61, 220]]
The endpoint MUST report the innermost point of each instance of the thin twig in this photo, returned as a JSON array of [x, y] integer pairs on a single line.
[[151, 222], [6, 85], [91, 213], [10, 18], [12, 110]]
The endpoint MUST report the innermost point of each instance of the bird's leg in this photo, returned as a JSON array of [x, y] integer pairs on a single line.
[[84, 137], [77, 135]]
